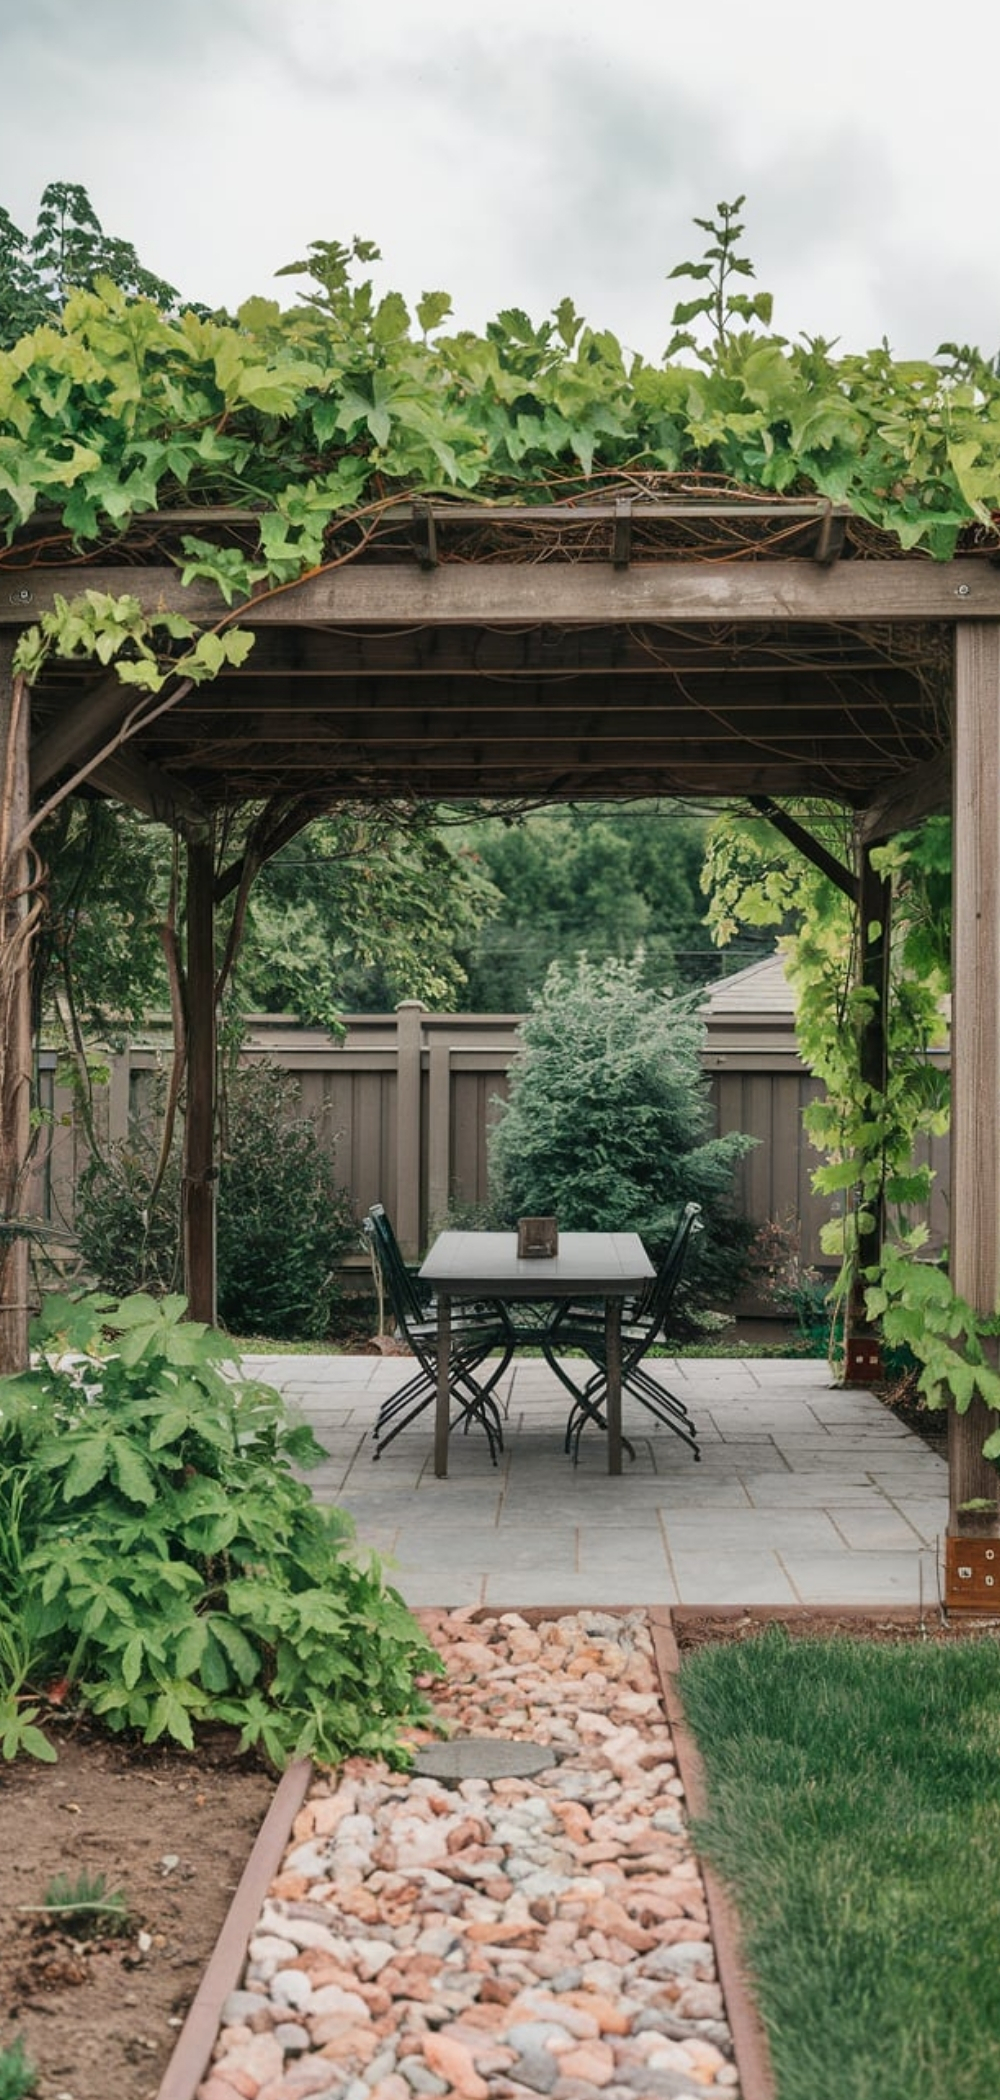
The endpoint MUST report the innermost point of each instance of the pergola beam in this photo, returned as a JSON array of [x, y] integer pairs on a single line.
[[811, 848], [81, 729], [145, 787], [563, 593], [925, 791]]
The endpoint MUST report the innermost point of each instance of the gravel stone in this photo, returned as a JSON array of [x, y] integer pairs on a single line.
[[482, 1934]]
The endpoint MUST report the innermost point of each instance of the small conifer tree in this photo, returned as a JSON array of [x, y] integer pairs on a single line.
[[608, 1125]]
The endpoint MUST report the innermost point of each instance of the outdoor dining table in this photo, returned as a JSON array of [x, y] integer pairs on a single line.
[[608, 1266]]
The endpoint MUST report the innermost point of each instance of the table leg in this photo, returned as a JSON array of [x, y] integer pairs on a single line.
[[613, 1361], [442, 1409]]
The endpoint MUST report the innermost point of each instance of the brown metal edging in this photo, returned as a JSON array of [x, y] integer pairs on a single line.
[[750, 2045], [198, 2035]]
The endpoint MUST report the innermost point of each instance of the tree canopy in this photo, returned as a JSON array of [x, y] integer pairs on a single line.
[[601, 881], [68, 247]]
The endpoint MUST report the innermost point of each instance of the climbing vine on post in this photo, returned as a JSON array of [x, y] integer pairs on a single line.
[[867, 1134]]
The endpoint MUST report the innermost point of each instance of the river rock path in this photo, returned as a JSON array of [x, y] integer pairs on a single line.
[[494, 1938]]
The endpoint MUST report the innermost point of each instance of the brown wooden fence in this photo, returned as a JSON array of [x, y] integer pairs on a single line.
[[407, 1100]]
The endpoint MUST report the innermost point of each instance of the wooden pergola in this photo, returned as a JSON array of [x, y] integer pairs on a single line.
[[772, 651]]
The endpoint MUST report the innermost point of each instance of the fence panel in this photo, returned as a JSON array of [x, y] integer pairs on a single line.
[[406, 1102]]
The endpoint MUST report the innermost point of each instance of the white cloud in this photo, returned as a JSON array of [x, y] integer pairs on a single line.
[[514, 150]]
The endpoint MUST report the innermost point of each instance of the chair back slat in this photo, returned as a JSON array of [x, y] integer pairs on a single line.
[[408, 1307], [653, 1306]]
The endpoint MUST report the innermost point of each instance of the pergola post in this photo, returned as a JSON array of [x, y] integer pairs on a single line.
[[409, 1084], [874, 905], [15, 1009], [200, 1171], [975, 1056]]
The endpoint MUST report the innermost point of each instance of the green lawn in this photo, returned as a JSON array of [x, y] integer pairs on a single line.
[[854, 1813]]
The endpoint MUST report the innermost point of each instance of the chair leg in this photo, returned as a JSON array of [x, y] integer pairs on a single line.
[[472, 1395], [665, 1406], [587, 1408], [419, 1392]]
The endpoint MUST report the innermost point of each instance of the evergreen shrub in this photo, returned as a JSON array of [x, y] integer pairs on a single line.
[[608, 1124]]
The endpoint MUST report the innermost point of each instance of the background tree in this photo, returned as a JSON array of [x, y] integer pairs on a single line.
[[608, 1122], [366, 907], [68, 248], [598, 880]]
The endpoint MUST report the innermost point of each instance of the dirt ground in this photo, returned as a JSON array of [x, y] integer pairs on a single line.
[[99, 2016], [694, 1628]]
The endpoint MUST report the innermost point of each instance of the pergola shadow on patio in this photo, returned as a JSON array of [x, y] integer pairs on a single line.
[[805, 1494], [711, 646]]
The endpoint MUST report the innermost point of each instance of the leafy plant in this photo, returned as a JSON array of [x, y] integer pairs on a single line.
[[311, 414], [128, 1232], [79, 1904], [789, 1286], [18, 2076], [23, 1503], [720, 305], [920, 1309], [183, 1572], [284, 1223], [607, 1124]]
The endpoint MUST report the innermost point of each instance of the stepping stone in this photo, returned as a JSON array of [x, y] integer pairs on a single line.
[[482, 1757]]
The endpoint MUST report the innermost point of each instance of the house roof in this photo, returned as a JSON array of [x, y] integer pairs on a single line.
[[762, 987]]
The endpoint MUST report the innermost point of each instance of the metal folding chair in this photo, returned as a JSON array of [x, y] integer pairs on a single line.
[[581, 1327], [478, 1332]]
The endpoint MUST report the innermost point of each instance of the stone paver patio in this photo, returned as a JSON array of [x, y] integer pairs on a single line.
[[805, 1493]]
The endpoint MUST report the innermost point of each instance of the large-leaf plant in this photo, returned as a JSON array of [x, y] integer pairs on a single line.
[[172, 1568]]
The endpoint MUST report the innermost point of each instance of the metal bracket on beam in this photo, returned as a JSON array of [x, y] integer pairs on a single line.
[[830, 538], [621, 545], [423, 532]]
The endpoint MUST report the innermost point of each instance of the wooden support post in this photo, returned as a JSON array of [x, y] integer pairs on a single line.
[[863, 1353], [409, 1045], [975, 1056], [199, 1123], [15, 1009], [438, 1133]]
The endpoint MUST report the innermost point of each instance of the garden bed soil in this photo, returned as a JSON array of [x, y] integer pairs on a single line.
[[695, 1627], [100, 2015]]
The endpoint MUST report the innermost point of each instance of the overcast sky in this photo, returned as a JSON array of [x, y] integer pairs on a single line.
[[511, 151]]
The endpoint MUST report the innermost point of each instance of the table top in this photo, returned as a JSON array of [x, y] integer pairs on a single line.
[[588, 1265]]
